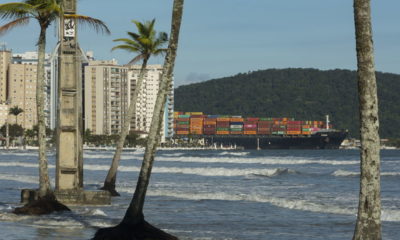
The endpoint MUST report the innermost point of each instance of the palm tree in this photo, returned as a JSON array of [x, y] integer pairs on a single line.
[[16, 111], [133, 225], [45, 12], [145, 43], [368, 225]]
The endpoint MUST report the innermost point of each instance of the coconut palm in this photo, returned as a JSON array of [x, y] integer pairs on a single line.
[[133, 225], [145, 43], [16, 111], [368, 225], [44, 12]]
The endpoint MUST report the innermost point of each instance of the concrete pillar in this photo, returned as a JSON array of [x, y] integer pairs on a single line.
[[69, 167]]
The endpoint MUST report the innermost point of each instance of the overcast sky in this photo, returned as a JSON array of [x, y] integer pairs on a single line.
[[224, 37]]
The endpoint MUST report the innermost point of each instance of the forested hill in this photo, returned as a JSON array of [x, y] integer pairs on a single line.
[[305, 94]]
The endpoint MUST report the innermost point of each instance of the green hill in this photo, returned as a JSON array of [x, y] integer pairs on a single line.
[[305, 94]]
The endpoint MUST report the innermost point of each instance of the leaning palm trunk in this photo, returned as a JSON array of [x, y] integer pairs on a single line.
[[368, 224], [133, 225], [135, 210], [109, 183], [44, 181]]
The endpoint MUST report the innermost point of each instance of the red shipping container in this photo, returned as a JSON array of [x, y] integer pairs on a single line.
[[253, 119]]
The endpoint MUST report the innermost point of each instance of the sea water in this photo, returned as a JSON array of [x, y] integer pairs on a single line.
[[213, 194]]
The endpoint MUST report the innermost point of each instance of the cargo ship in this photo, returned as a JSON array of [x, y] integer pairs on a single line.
[[257, 132]]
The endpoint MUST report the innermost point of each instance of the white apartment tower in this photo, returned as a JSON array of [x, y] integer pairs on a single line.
[[147, 98]]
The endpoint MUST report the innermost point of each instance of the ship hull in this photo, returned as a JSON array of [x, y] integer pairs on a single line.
[[320, 140]]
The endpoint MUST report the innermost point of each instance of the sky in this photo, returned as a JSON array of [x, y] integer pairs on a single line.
[[221, 38]]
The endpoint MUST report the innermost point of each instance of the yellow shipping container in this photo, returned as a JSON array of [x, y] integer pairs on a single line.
[[250, 132], [222, 132], [293, 132], [196, 113], [182, 132], [236, 119], [223, 119]]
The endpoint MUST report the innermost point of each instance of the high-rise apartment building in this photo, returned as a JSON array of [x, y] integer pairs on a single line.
[[108, 91], [18, 84], [22, 93], [147, 99], [5, 60], [106, 97]]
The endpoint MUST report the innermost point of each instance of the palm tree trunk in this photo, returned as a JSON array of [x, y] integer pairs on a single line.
[[134, 214], [368, 225], [109, 183], [44, 181]]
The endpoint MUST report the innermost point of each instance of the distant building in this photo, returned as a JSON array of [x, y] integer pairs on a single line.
[[5, 60], [22, 93], [108, 92], [147, 98], [106, 97]]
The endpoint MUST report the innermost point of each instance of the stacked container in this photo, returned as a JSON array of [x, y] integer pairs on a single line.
[[264, 126], [236, 125], [196, 124], [250, 126], [223, 125], [210, 126], [293, 127], [182, 124]]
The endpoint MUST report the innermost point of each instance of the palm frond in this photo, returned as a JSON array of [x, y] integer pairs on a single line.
[[136, 59], [18, 22], [96, 24], [51, 6], [15, 10], [133, 35], [143, 42], [160, 51], [129, 42], [128, 48]]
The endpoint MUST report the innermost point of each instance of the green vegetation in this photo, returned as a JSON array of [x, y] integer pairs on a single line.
[[305, 94]]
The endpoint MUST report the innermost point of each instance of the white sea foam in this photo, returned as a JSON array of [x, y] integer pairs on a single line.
[[19, 178], [95, 212], [56, 223], [18, 164], [296, 204], [391, 215], [199, 171], [266, 161], [227, 153], [343, 173]]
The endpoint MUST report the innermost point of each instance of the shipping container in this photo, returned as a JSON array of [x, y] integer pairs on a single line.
[[250, 132], [220, 132]]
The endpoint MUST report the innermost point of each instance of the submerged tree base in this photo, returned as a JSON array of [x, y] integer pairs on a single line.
[[111, 190], [41, 206], [140, 231]]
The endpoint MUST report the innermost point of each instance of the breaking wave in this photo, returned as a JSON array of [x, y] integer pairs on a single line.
[[344, 173], [229, 172]]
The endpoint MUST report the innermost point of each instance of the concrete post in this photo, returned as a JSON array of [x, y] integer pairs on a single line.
[[69, 167]]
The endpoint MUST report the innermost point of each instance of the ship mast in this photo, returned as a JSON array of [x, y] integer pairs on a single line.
[[327, 122]]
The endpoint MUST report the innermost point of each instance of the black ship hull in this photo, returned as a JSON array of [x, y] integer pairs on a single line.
[[319, 140]]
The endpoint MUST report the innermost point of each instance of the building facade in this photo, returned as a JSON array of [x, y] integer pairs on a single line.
[[147, 99], [5, 60], [22, 93], [106, 97]]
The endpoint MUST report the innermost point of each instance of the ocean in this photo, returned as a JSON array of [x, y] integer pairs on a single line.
[[213, 194]]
